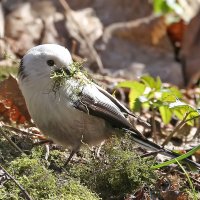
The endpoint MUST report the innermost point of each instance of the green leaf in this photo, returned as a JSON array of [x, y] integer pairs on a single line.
[[158, 83], [165, 113], [176, 92], [156, 103], [136, 105], [128, 84], [135, 93], [168, 97], [149, 81], [192, 115], [161, 7], [170, 94], [189, 180], [179, 158], [180, 109]]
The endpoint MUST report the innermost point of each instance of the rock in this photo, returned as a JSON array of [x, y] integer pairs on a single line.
[[22, 29], [121, 35], [86, 28], [149, 31], [129, 50], [7, 57], [190, 51], [1, 21], [115, 10]]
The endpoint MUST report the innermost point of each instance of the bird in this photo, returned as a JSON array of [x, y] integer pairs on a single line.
[[78, 111]]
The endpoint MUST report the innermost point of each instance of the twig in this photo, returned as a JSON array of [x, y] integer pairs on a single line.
[[175, 130], [153, 153], [181, 173], [183, 122], [195, 117], [29, 134], [93, 51], [197, 134], [10, 141], [74, 47], [24, 192], [16, 130], [154, 125]]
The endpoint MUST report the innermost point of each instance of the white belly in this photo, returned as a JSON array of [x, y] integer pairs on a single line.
[[65, 124]]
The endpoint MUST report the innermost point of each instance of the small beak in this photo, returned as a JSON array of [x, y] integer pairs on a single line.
[[65, 69]]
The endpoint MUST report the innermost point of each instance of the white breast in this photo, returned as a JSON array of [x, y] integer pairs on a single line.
[[57, 118]]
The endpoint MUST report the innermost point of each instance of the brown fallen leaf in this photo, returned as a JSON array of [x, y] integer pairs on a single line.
[[174, 195], [12, 104]]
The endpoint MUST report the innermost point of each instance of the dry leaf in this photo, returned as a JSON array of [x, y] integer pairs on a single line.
[[12, 104]]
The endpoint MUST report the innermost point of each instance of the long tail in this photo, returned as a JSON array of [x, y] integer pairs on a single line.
[[153, 146]]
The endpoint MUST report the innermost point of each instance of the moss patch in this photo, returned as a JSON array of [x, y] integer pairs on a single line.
[[5, 71], [41, 183], [117, 173]]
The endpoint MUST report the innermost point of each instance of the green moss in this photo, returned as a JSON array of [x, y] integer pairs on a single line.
[[73, 190], [41, 183], [118, 173], [7, 152], [192, 195], [58, 78], [5, 71], [56, 160], [76, 72]]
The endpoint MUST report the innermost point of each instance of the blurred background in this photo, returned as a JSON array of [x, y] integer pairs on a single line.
[[121, 38]]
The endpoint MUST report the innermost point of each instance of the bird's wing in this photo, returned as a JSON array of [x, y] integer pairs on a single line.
[[114, 100], [122, 107], [92, 101]]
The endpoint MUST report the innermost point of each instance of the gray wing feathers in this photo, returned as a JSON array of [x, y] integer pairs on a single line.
[[115, 101], [93, 102], [102, 110]]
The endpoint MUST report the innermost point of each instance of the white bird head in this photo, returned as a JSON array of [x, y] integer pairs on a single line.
[[39, 61]]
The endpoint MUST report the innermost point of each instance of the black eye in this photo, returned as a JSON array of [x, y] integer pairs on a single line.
[[50, 62]]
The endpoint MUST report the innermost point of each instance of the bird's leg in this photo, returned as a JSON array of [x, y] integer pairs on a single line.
[[97, 152], [46, 142], [47, 151], [71, 155]]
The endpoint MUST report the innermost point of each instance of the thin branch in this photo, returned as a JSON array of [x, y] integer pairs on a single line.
[[195, 180], [180, 125], [153, 153], [16, 130], [198, 130], [190, 119], [24, 192], [10, 141], [154, 125], [172, 133], [93, 51]]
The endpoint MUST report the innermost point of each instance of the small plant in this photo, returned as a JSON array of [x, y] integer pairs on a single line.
[[151, 93], [173, 10]]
